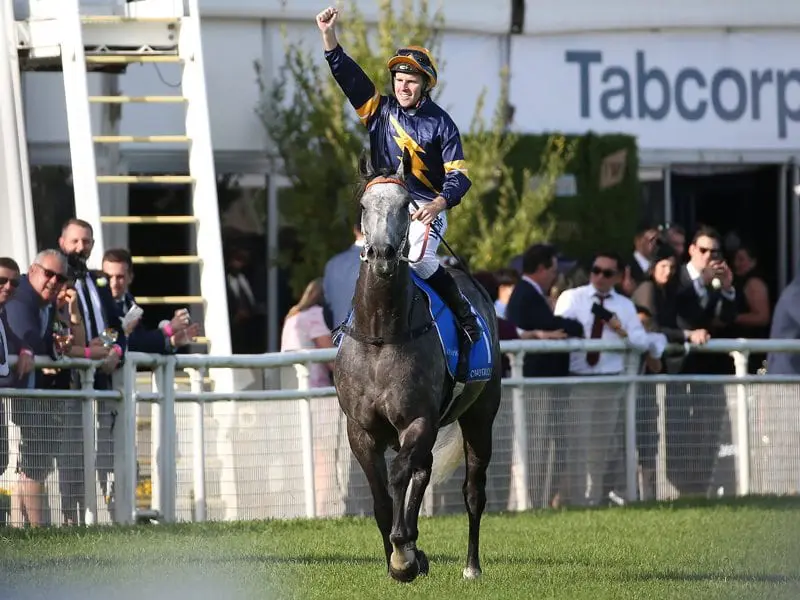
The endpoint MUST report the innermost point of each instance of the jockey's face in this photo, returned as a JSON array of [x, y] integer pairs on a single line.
[[407, 88]]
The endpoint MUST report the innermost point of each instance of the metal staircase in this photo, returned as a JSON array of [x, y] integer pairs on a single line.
[[57, 37]]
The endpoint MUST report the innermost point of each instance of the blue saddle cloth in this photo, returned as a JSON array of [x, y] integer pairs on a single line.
[[480, 362]]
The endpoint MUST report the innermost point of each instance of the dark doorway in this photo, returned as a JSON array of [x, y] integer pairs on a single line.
[[161, 240], [736, 199]]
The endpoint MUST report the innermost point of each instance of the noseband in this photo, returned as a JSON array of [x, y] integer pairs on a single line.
[[404, 242]]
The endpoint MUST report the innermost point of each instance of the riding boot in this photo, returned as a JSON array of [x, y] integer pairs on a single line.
[[447, 288]]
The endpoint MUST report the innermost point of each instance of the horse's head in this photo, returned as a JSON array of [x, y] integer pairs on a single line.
[[385, 218]]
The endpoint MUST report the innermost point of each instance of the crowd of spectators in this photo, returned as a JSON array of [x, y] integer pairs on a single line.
[[59, 307]]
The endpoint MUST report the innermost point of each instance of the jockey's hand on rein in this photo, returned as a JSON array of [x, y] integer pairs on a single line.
[[428, 212]]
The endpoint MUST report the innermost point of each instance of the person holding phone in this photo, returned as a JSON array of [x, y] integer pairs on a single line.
[[594, 409], [706, 300]]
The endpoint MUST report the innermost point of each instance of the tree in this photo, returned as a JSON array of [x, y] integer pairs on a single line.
[[501, 216], [317, 136], [318, 140]]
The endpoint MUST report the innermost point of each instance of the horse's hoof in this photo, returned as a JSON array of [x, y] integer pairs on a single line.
[[471, 573], [406, 575], [422, 562]]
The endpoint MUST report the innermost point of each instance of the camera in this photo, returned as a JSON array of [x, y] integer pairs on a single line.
[[602, 312]]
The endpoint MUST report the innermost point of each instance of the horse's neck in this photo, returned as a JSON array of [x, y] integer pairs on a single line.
[[381, 306]]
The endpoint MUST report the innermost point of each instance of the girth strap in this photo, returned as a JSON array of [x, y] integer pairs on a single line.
[[392, 341]]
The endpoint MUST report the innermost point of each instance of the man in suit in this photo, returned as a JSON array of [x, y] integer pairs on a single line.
[[786, 326], [529, 309], [9, 344], [29, 316], [338, 286], [247, 319], [339, 280], [117, 267], [696, 414], [101, 317], [644, 248]]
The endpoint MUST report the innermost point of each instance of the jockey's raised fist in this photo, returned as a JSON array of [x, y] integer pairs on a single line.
[[327, 18]]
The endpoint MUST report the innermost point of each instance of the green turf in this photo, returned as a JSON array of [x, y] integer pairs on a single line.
[[735, 549]]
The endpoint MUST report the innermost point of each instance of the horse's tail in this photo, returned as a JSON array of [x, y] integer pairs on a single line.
[[448, 450]]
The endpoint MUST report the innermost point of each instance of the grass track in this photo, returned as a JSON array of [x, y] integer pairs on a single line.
[[747, 549]]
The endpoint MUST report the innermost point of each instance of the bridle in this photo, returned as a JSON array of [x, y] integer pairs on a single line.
[[401, 251]]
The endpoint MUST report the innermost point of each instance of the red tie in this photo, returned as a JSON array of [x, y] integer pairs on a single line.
[[597, 330]]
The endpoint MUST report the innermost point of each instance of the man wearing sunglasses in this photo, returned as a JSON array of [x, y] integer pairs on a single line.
[[706, 301], [100, 314], [594, 410], [410, 120], [9, 344], [30, 315]]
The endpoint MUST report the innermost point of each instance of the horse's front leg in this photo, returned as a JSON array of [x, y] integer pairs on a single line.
[[420, 477], [416, 442]]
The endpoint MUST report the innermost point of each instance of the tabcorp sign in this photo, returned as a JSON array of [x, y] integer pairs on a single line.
[[680, 91]]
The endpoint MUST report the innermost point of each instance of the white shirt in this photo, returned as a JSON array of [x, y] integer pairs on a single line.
[[85, 287], [644, 264], [500, 309], [657, 343], [702, 290], [241, 287], [577, 304]]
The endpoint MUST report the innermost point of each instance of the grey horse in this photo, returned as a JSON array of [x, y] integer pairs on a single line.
[[394, 387]]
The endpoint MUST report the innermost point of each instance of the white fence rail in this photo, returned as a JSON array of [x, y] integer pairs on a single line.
[[165, 400]]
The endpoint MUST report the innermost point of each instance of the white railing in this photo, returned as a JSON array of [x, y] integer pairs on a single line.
[[164, 397]]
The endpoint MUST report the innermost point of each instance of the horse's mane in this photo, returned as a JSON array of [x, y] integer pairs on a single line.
[[364, 179]]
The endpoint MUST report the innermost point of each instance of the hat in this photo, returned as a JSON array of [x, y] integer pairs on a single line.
[[415, 59]]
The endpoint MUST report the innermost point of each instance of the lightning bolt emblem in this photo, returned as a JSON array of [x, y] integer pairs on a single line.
[[405, 141]]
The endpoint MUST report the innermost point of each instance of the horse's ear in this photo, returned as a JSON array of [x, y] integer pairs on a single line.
[[404, 170], [365, 165]]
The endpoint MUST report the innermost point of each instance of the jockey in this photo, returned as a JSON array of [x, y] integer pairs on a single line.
[[411, 120]]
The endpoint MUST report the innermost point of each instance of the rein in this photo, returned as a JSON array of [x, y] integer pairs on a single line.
[[402, 184]]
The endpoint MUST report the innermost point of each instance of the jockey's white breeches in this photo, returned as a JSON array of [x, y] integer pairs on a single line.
[[423, 244]]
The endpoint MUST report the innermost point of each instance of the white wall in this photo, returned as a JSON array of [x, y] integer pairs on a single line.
[[557, 16], [684, 90], [459, 15], [469, 62]]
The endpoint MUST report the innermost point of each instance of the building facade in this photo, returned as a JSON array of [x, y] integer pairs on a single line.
[[711, 90]]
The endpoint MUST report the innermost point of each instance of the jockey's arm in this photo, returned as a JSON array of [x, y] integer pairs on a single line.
[[355, 84], [456, 181]]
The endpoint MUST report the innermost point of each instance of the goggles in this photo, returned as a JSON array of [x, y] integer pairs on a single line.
[[419, 56]]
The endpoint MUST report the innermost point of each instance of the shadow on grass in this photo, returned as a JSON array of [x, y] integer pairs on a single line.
[[77, 562], [721, 577], [743, 502], [231, 528], [26, 568]]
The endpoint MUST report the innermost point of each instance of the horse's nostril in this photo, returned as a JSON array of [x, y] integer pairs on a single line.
[[390, 252], [371, 252]]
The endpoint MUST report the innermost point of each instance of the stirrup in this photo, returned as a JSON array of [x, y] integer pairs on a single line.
[[465, 329]]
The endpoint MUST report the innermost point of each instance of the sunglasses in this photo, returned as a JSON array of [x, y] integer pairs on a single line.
[[14, 281], [61, 279], [607, 273], [713, 251], [418, 56]]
